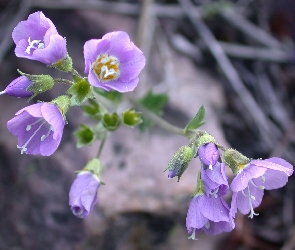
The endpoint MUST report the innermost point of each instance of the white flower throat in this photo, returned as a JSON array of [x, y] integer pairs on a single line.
[[37, 125], [106, 68], [35, 44]]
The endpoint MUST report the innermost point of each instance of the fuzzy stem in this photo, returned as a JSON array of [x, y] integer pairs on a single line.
[[75, 73], [65, 81]]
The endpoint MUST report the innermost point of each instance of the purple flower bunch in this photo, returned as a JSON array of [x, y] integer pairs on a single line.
[[208, 211], [111, 63]]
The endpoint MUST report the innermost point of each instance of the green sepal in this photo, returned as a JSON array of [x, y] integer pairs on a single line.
[[200, 186], [197, 121], [235, 160], [180, 160], [80, 91], [112, 95], [131, 118], [201, 138], [63, 103], [93, 166], [111, 121], [65, 65], [94, 110], [40, 83], [85, 136]]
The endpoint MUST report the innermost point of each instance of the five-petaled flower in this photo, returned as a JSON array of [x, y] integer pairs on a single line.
[[208, 214], [83, 194], [113, 62], [39, 128], [251, 180], [18, 87], [37, 39]]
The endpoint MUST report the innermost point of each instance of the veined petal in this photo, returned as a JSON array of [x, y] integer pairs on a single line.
[[242, 179], [194, 218], [275, 164], [213, 208]]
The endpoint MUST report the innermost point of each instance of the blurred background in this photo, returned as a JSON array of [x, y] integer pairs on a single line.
[[234, 57]]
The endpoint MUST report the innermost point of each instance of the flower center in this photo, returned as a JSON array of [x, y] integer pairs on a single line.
[[41, 122], [35, 44], [106, 68]]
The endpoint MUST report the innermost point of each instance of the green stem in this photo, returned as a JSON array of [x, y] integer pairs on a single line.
[[65, 81], [100, 147], [158, 120]]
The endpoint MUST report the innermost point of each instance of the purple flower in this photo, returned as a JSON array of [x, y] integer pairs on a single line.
[[113, 62], [37, 39], [249, 184], [209, 154], [215, 180], [83, 194], [39, 128], [18, 87], [208, 214]]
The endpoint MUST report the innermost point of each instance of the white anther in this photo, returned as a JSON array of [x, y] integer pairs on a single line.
[[210, 167], [35, 44], [193, 235], [28, 128], [207, 225]]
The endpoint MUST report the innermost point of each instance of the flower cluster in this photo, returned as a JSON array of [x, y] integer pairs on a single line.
[[208, 210], [111, 63]]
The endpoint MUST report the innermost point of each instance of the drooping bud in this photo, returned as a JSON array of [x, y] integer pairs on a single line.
[[83, 192], [18, 88], [39, 83], [235, 160], [209, 154], [179, 162]]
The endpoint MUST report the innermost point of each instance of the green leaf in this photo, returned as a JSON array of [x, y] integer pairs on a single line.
[[155, 103], [94, 110], [197, 121], [111, 121], [112, 95], [80, 91], [85, 136], [131, 118]]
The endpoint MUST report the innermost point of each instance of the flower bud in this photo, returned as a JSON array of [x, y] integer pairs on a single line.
[[209, 154], [235, 160], [18, 87], [39, 83], [83, 192], [179, 162]]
